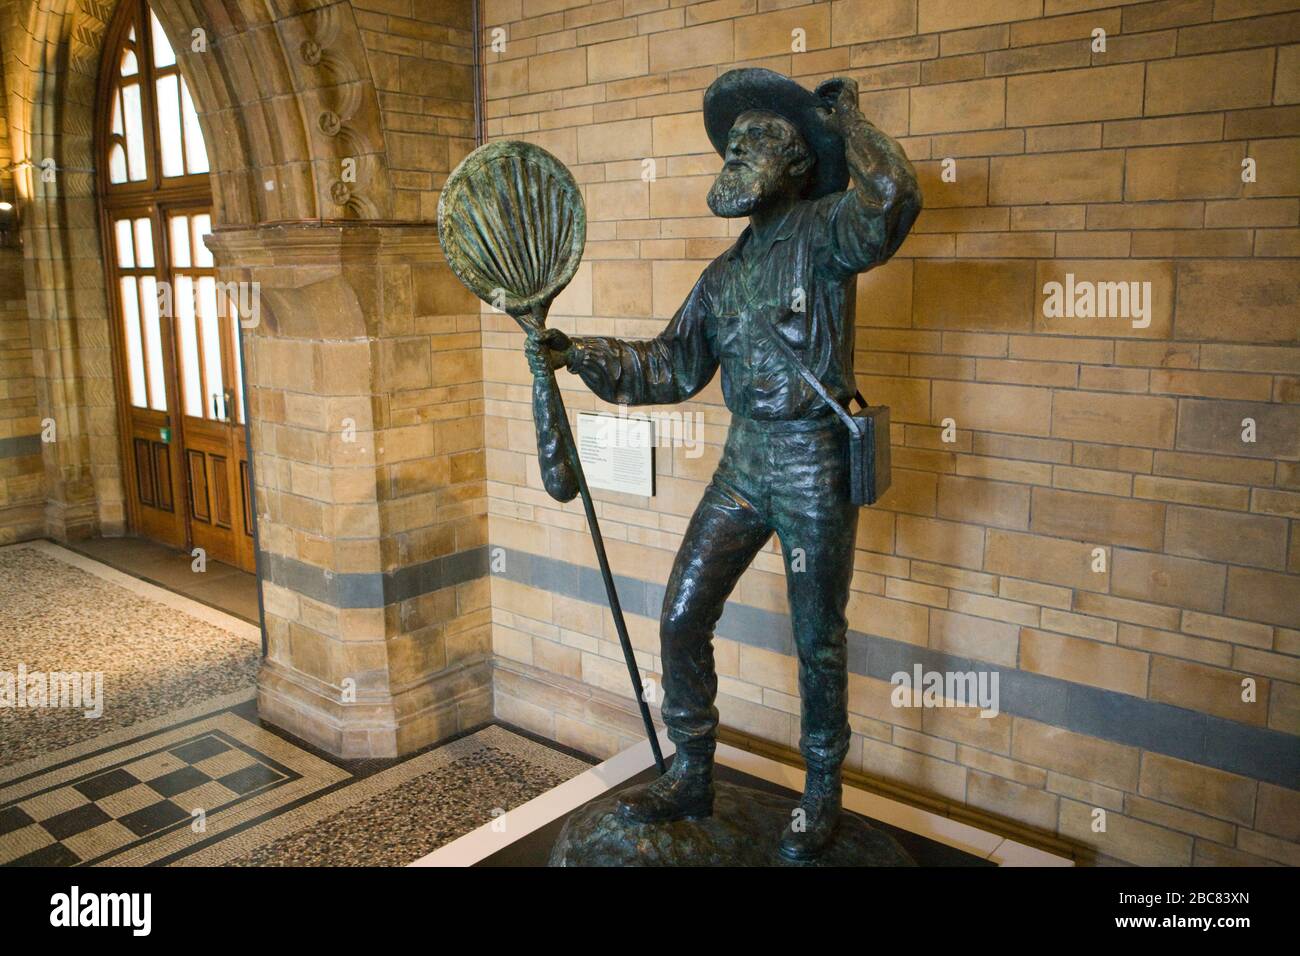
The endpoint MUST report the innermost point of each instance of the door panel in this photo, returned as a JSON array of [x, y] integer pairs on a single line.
[[146, 358], [200, 509], [209, 375]]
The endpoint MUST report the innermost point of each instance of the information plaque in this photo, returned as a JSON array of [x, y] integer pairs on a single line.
[[617, 452]]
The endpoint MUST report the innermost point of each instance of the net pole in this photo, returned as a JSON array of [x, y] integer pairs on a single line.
[[611, 591]]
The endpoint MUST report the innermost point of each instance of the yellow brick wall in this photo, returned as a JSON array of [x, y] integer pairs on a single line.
[[421, 58], [21, 474], [1070, 434]]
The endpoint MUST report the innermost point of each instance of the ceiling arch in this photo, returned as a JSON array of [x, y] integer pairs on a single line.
[[283, 91]]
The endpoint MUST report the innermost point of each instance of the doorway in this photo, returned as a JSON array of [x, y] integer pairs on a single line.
[[176, 350]]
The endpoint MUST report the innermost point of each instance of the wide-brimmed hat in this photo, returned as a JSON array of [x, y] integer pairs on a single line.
[[753, 88]]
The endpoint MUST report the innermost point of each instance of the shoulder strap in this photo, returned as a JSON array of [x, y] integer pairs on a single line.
[[806, 374]]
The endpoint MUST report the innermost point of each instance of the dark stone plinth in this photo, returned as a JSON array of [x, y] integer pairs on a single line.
[[744, 830]]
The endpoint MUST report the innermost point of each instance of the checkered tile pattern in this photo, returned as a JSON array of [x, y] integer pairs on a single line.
[[104, 812]]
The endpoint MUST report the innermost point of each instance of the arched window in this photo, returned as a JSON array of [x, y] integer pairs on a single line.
[[176, 344], [149, 64]]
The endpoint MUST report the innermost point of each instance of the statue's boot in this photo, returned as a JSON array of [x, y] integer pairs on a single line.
[[809, 833], [685, 792]]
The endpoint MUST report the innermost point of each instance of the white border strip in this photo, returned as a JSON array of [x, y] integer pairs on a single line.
[[541, 810], [177, 602], [516, 824]]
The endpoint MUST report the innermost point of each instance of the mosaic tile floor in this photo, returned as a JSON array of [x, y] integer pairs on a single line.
[[144, 800], [179, 770], [398, 815], [156, 657]]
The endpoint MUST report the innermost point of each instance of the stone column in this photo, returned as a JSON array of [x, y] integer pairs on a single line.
[[366, 401], [52, 100], [22, 474], [71, 358]]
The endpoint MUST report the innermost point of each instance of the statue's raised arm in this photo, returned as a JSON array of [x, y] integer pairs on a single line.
[[875, 215]]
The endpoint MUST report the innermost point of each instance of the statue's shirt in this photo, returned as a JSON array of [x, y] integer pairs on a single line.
[[801, 280]]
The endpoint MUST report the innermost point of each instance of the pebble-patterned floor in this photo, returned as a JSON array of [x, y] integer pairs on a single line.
[[155, 659], [412, 819], [75, 790]]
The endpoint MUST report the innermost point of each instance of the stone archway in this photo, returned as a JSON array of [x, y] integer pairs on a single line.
[[364, 371], [50, 76], [284, 101], [285, 98]]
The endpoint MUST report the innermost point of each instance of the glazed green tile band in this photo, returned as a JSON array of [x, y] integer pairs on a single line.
[[1267, 755], [20, 446]]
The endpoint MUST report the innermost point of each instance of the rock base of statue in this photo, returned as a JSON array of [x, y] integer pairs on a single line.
[[744, 830]]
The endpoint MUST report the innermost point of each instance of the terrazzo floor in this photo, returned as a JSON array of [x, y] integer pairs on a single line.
[[178, 770], [155, 658], [400, 814]]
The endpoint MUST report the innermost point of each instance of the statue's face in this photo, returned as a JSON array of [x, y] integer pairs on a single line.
[[766, 158]]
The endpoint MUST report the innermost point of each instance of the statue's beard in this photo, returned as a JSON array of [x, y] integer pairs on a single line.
[[740, 190]]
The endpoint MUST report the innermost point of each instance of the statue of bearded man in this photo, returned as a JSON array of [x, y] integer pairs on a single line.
[[788, 158]]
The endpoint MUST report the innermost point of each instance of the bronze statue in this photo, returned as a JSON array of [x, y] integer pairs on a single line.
[[776, 312], [512, 226]]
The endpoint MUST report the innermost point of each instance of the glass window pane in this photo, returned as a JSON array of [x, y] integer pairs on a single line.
[[129, 66], [134, 131], [238, 384], [196, 154], [125, 257], [144, 243], [117, 164], [191, 380], [117, 113], [202, 254], [180, 230], [153, 343], [169, 126], [163, 55], [211, 346], [134, 353]]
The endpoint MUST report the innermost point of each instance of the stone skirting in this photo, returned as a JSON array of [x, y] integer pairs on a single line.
[[603, 724], [567, 711], [441, 706], [73, 521], [22, 522]]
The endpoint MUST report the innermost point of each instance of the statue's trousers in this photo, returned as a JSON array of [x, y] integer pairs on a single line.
[[789, 478]]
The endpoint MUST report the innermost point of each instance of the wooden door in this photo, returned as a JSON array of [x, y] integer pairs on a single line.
[[176, 350], [211, 409], [146, 392]]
